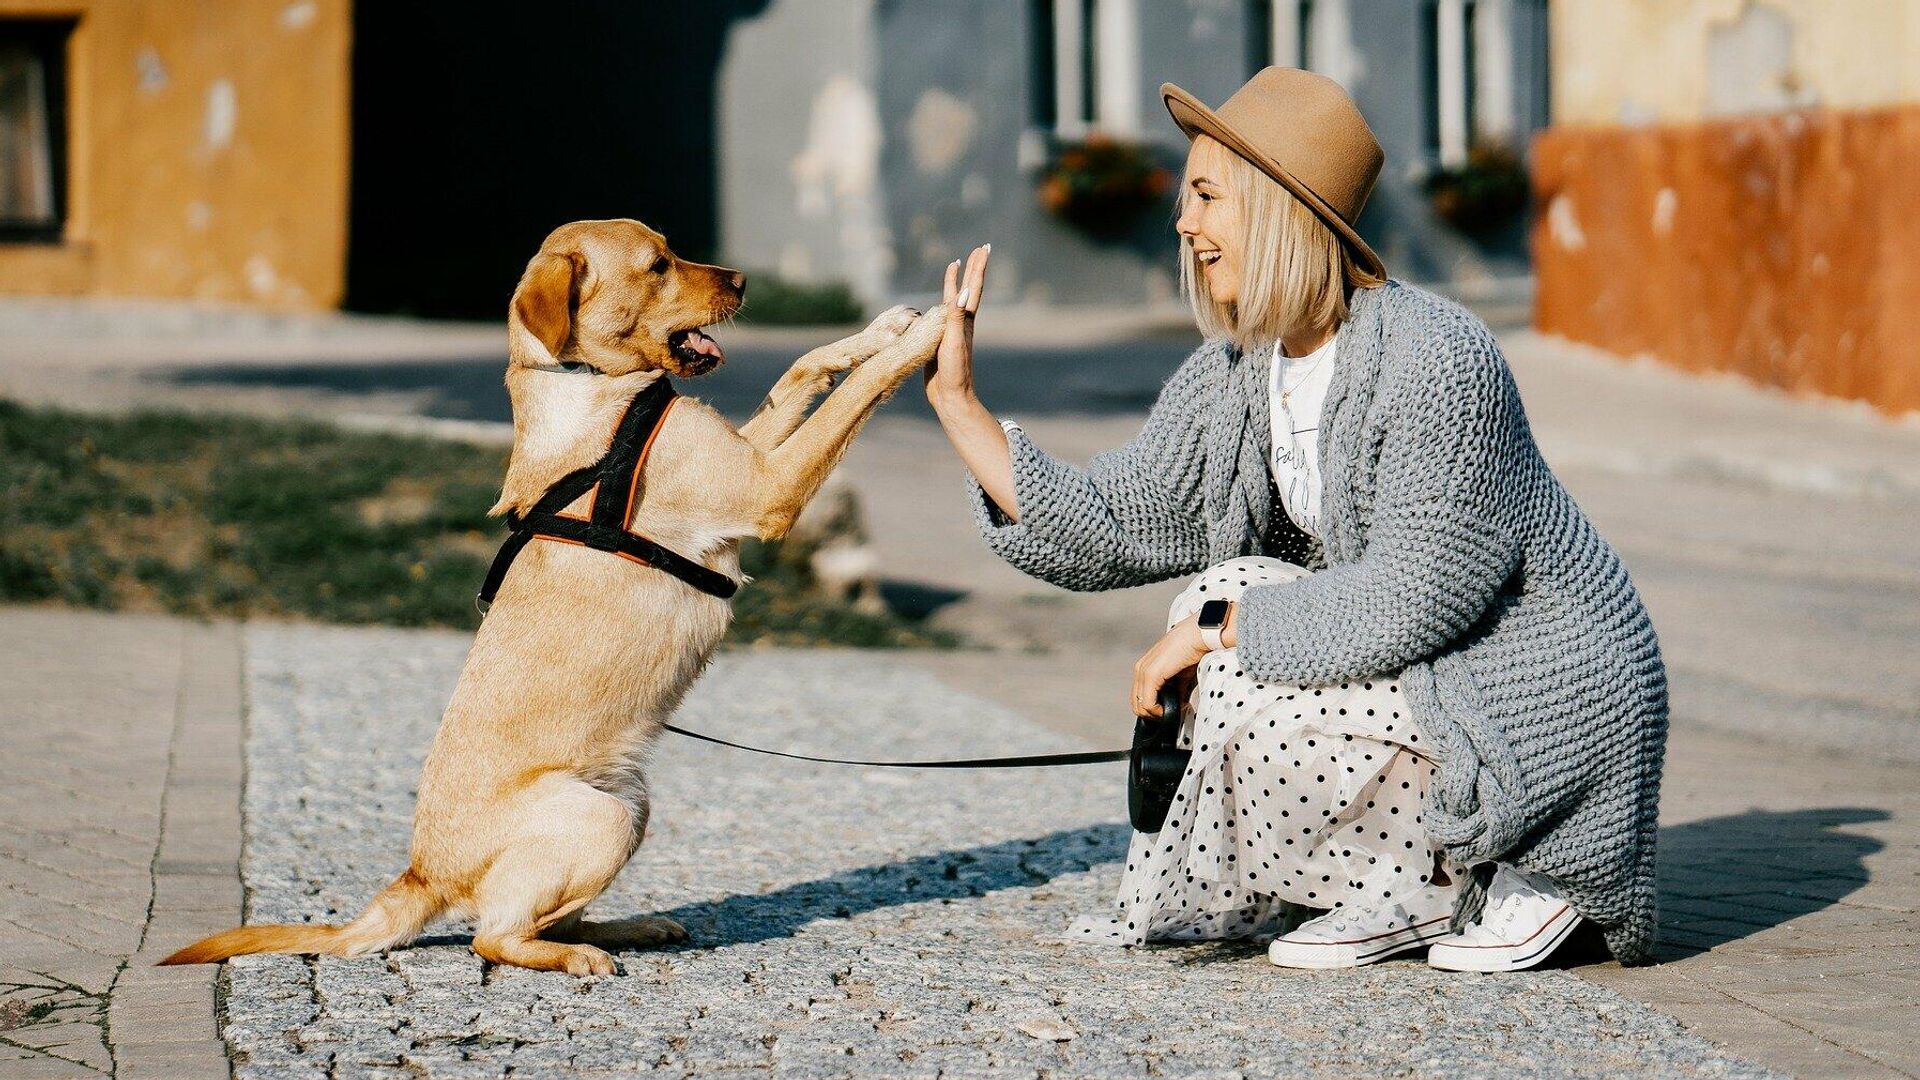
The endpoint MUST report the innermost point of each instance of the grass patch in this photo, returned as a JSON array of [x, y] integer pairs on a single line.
[[233, 516], [774, 301]]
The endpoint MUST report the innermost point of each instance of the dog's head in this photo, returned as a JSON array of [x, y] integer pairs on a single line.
[[612, 296]]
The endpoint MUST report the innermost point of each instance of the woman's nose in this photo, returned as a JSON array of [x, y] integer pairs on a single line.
[[1188, 223]]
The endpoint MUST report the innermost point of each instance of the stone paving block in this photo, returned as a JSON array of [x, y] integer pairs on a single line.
[[182, 1060], [41, 1067]]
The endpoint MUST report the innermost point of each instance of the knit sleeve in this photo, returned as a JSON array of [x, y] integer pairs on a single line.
[[1437, 547], [1132, 516]]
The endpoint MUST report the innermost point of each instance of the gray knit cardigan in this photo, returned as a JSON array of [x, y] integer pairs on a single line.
[[1452, 556]]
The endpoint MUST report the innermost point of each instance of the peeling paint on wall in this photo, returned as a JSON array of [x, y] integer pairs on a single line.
[[1750, 64], [150, 72], [940, 131], [299, 16], [1665, 204], [1563, 227], [222, 115], [842, 155], [261, 279]]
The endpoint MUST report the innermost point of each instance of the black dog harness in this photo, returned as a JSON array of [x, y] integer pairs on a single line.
[[614, 481]]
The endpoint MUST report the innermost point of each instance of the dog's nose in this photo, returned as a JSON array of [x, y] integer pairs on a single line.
[[738, 281]]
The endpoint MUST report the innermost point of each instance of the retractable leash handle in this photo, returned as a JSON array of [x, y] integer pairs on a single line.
[[1157, 763]]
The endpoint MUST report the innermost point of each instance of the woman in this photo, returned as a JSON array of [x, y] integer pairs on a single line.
[[1431, 703]]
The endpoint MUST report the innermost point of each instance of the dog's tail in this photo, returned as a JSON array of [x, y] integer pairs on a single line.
[[396, 916]]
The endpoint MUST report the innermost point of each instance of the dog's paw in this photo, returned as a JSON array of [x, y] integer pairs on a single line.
[[922, 339], [584, 960], [895, 320]]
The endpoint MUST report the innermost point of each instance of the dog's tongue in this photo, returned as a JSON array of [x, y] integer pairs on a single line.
[[704, 345]]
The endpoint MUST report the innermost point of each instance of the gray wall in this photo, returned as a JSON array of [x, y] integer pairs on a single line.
[[799, 133]]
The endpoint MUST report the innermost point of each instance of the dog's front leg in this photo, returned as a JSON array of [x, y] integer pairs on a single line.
[[813, 374], [788, 476]]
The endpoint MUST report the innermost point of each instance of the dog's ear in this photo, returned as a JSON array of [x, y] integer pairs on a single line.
[[543, 303]]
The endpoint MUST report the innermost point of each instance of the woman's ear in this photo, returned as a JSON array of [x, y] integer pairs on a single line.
[[542, 309]]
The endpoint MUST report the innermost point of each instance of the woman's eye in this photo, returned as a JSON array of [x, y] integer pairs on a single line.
[[659, 265]]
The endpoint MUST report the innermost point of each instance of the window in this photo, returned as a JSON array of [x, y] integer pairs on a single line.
[[1083, 65], [1043, 106], [1279, 32], [1450, 77], [33, 151]]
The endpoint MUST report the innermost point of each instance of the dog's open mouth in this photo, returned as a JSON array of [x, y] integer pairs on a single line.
[[695, 350]]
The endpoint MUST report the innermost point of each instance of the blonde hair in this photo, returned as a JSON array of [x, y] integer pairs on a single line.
[[1295, 273]]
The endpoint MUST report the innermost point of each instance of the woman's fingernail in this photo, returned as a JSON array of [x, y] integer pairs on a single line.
[[988, 249], [965, 295]]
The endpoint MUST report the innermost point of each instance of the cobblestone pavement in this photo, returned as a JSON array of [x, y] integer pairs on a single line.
[[845, 922]]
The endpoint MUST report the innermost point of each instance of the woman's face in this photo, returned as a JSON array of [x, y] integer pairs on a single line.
[[1210, 220]]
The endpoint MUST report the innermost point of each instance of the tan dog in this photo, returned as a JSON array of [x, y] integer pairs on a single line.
[[533, 796]]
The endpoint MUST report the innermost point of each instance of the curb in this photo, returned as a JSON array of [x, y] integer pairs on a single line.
[[162, 1022]]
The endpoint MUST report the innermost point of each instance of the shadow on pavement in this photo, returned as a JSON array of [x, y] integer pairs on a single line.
[[1725, 878], [1721, 879], [947, 875]]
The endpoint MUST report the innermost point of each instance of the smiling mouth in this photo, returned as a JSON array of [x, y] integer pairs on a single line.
[[695, 350], [1207, 258]]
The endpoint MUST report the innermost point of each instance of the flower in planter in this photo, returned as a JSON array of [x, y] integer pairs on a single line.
[[1482, 195], [1102, 185]]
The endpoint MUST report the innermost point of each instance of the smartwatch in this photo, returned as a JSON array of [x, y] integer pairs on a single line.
[[1213, 619]]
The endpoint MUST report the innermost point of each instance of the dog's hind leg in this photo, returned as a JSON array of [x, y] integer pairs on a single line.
[[574, 839], [619, 935]]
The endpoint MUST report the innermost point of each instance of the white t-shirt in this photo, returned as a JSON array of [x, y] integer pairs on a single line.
[[1296, 389]]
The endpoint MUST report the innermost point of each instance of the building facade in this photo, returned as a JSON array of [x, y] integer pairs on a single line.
[[872, 141], [1730, 186], [407, 157], [166, 149]]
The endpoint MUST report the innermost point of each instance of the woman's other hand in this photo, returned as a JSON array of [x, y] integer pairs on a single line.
[[950, 377], [1176, 653]]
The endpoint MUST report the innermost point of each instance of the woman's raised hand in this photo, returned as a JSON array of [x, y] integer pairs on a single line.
[[950, 375], [969, 426]]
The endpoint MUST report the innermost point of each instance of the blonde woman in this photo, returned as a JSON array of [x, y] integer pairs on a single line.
[[1427, 699]]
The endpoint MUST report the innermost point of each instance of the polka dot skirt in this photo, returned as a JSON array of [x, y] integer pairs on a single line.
[[1295, 794]]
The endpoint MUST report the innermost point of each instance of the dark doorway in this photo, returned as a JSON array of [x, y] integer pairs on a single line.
[[479, 127]]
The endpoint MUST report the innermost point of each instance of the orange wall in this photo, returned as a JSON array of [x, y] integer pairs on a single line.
[[208, 146], [1782, 247]]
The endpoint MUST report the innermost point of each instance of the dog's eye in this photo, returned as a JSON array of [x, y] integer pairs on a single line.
[[659, 266]]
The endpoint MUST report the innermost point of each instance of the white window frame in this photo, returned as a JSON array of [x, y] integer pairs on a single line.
[[1286, 45], [1114, 39], [1450, 81]]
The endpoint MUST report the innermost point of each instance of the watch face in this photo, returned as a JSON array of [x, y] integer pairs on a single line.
[[1213, 614]]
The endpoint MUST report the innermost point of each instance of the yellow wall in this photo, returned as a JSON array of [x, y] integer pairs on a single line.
[[207, 156], [1638, 61]]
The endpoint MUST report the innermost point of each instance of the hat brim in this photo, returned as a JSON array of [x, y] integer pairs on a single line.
[[1195, 118]]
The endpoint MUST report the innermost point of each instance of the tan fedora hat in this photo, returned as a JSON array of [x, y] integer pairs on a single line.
[[1304, 131]]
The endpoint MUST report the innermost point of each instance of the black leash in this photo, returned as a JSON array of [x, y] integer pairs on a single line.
[[1025, 761]]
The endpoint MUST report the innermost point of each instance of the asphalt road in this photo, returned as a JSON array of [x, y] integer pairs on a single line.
[[1104, 380]]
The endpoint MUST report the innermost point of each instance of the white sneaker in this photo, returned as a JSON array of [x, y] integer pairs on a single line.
[[1525, 919], [1350, 937]]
